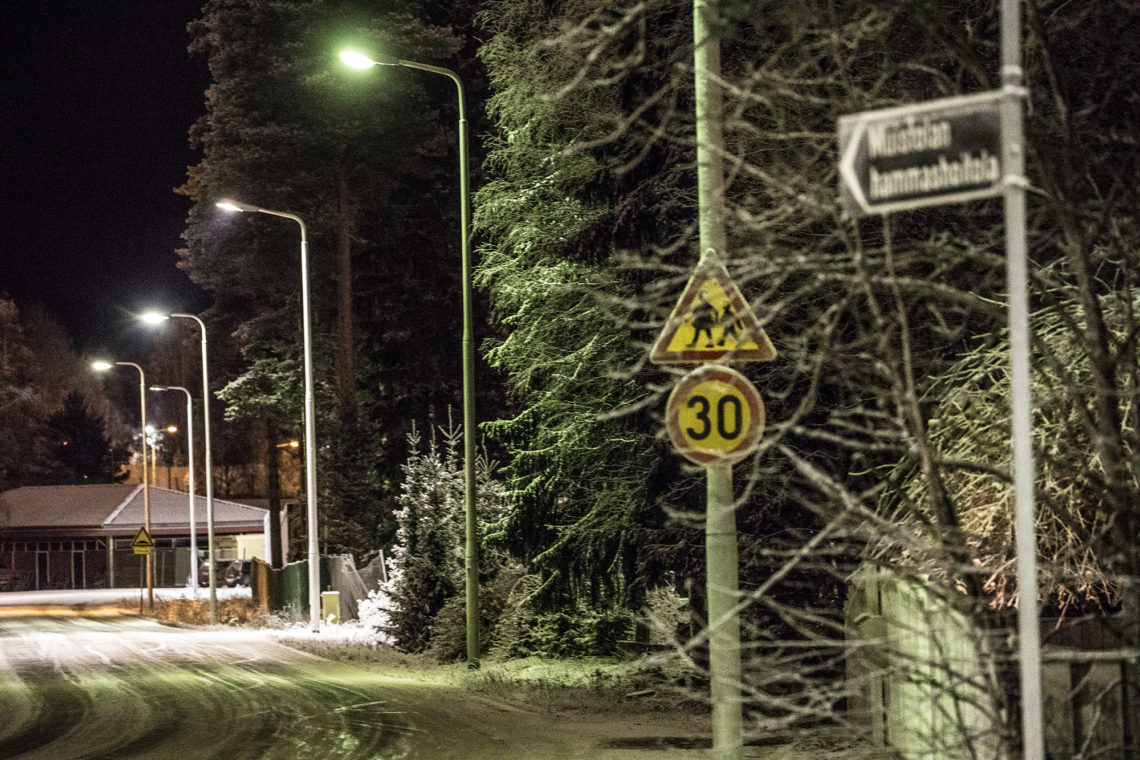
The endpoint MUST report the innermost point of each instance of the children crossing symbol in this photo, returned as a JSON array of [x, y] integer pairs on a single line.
[[711, 321]]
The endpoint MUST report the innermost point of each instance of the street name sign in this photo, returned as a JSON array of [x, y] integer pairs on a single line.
[[714, 416], [143, 542], [941, 151], [711, 322]]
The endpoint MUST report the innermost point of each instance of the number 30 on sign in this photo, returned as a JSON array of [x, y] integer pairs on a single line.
[[715, 416]]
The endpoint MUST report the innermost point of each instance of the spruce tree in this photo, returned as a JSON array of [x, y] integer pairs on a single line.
[[362, 161], [79, 451], [562, 205], [426, 565]]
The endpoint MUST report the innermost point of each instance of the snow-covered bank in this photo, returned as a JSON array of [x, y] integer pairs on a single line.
[[104, 595]]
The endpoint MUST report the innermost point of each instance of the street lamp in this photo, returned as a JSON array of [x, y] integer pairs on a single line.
[[156, 318], [310, 413], [104, 366], [358, 60], [190, 484]]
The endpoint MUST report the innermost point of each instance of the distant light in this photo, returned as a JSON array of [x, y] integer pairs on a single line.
[[154, 317], [101, 366], [150, 429], [357, 60], [172, 428]]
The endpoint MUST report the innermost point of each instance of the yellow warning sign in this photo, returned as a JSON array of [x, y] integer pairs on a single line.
[[711, 321], [143, 542]]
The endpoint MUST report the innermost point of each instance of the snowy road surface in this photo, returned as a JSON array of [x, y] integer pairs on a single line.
[[119, 686], [79, 687]]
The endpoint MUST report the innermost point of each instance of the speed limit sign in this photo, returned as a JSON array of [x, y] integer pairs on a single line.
[[715, 416]]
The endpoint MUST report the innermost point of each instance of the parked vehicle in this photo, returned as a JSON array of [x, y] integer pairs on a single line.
[[227, 572], [237, 573]]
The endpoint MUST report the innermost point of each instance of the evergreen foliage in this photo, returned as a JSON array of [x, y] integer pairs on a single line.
[[21, 407], [47, 397], [424, 598], [426, 565], [555, 216], [366, 161], [80, 451]]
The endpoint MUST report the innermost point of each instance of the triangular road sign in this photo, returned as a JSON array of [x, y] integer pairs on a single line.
[[142, 539], [711, 321]]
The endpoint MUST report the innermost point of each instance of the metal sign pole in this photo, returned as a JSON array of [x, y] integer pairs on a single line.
[[720, 517], [724, 620], [1028, 620]]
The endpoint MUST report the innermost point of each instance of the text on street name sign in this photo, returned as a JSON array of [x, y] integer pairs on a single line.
[[941, 151]]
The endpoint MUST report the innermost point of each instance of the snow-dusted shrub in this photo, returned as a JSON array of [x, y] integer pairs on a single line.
[[426, 564]]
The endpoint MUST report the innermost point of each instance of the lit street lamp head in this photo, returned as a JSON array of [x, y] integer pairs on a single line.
[[357, 60], [101, 366], [154, 317], [228, 204]]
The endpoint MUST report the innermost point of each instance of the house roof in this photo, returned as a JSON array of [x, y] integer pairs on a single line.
[[61, 506], [118, 507], [170, 510]]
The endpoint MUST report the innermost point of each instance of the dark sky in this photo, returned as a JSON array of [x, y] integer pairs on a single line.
[[97, 99]]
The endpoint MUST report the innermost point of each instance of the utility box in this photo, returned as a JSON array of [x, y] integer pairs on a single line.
[[330, 606]]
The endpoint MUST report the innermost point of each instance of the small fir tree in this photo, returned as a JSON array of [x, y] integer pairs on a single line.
[[426, 566]]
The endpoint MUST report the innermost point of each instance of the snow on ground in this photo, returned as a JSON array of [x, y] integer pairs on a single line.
[[348, 632], [104, 595]]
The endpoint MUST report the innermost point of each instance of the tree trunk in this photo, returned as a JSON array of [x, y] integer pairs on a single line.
[[346, 342]]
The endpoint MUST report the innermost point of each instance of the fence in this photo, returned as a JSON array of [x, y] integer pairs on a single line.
[[171, 567], [287, 589], [928, 684]]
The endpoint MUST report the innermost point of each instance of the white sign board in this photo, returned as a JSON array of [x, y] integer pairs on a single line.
[[940, 151]]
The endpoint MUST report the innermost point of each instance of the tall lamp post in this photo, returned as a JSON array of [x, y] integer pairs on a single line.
[[310, 413], [190, 483], [103, 366], [155, 318], [358, 60]]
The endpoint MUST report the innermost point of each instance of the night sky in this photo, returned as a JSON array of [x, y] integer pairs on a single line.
[[98, 98]]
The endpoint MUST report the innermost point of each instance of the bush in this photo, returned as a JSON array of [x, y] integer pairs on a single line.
[[580, 632], [373, 613], [497, 600], [235, 611]]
